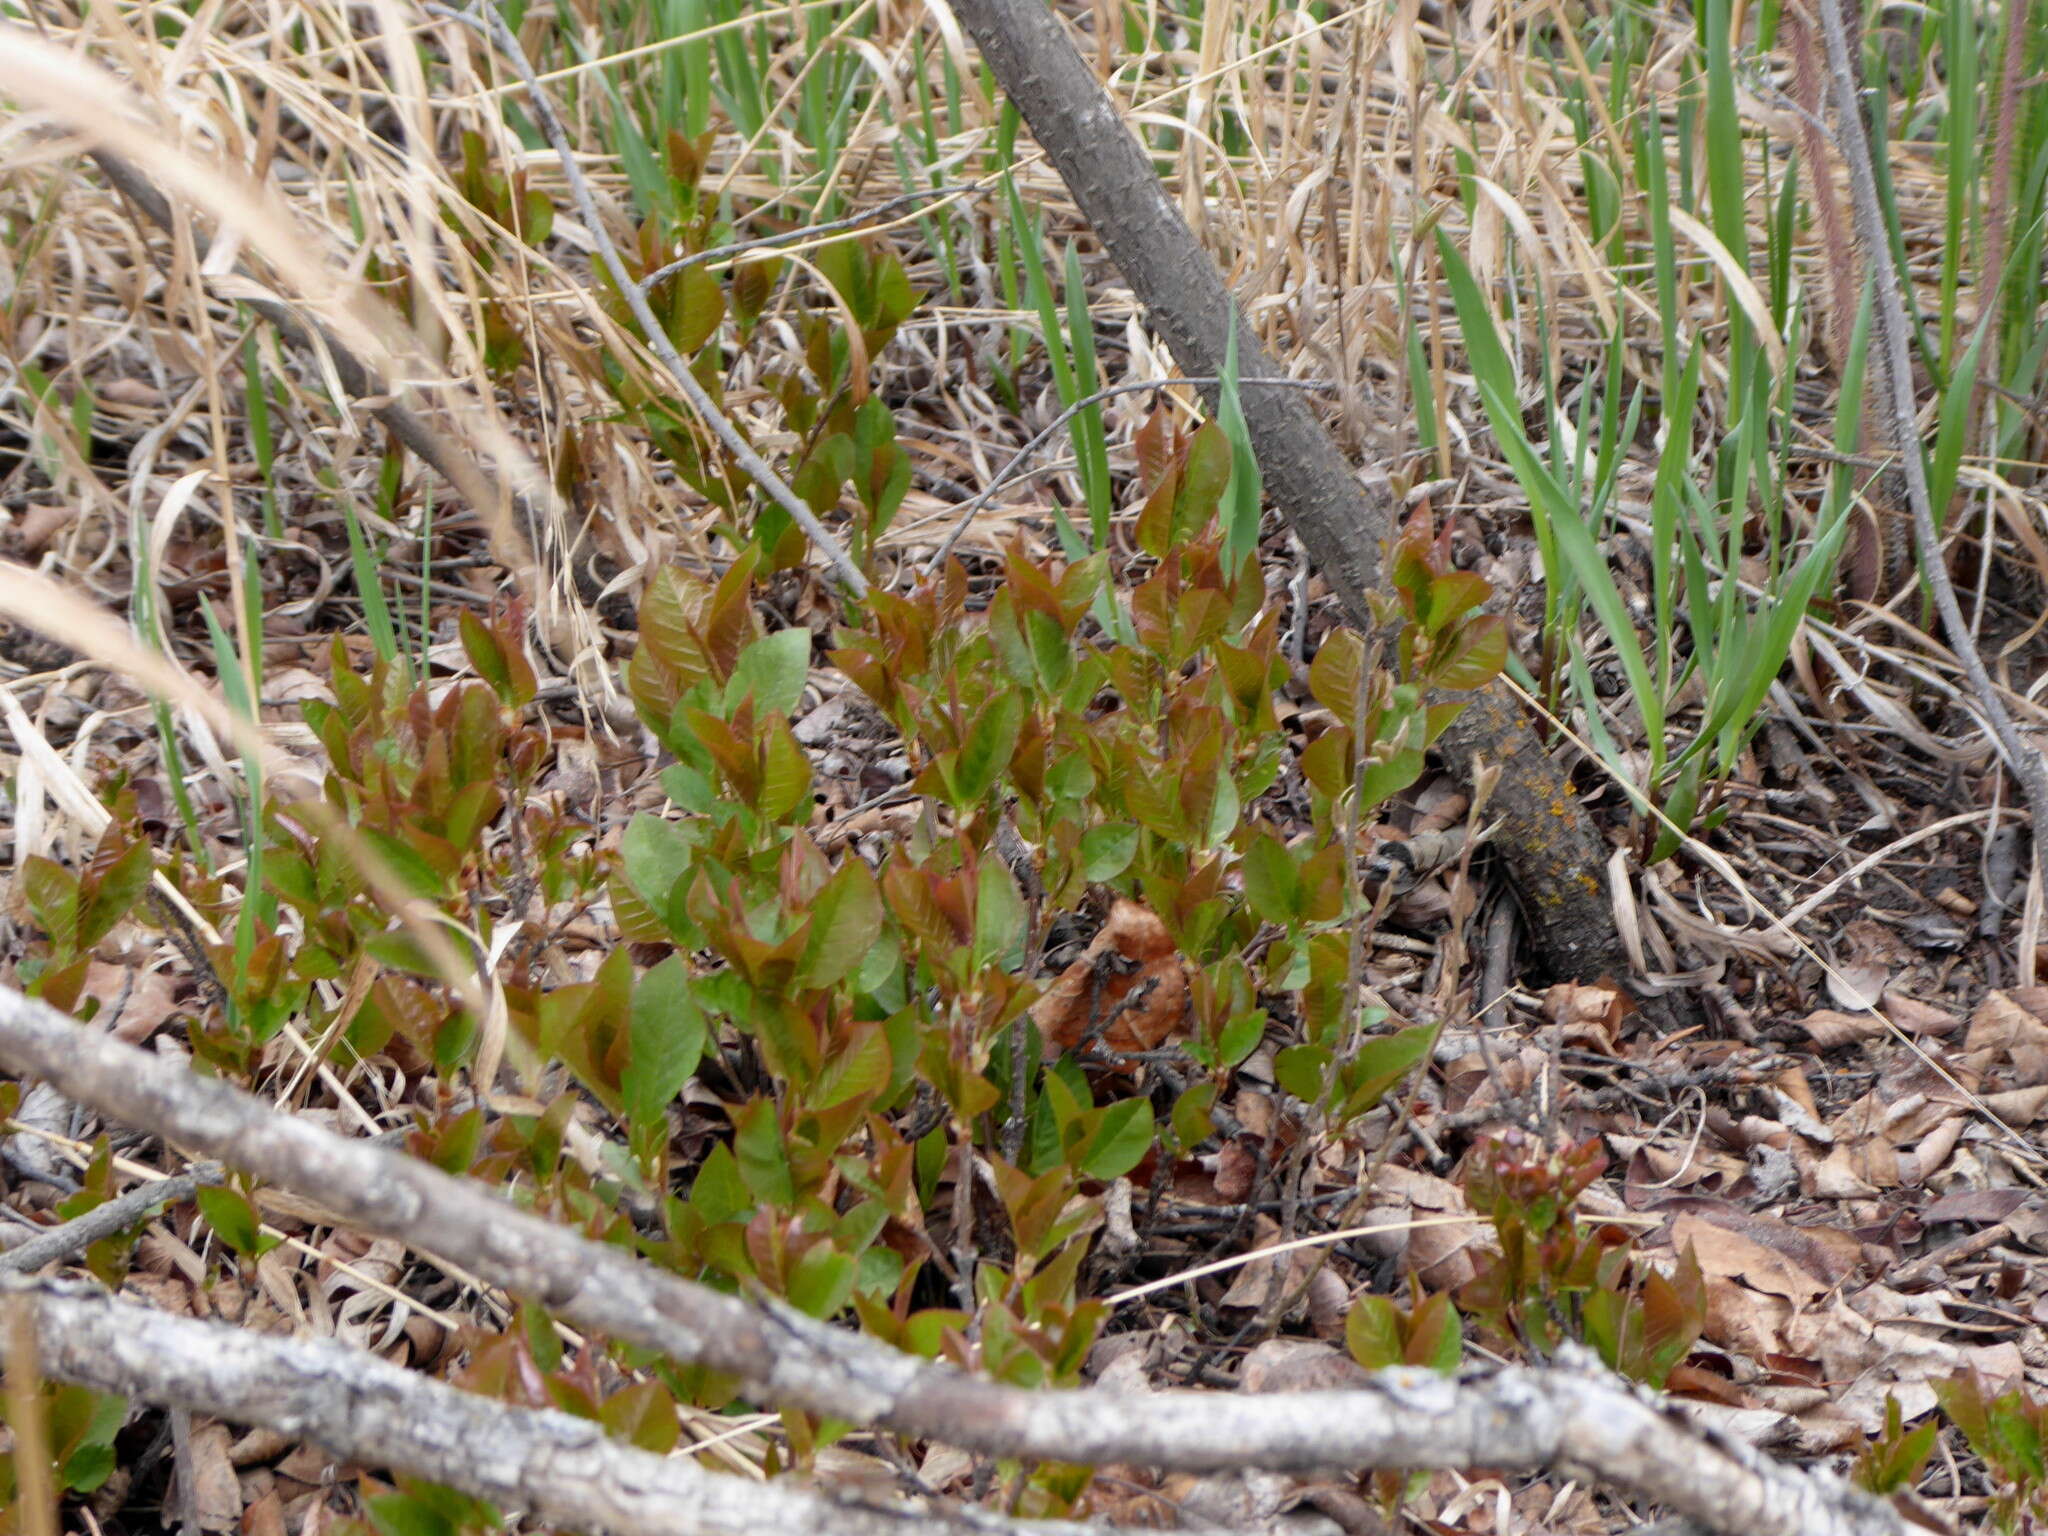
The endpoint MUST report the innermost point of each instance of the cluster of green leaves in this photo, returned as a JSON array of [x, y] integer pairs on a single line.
[[1380, 1333], [842, 987], [76, 911], [1557, 1277], [1894, 1460], [417, 776], [2010, 1431], [1128, 739], [846, 437]]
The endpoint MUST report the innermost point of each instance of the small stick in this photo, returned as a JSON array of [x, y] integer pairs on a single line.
[[117, 1215]]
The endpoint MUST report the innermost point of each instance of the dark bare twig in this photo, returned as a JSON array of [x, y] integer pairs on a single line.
[[117, 1215]]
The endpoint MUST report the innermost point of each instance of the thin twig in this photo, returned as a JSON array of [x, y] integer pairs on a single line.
[[117, 1215], [486, 19], [1890, 314], [866, 216]]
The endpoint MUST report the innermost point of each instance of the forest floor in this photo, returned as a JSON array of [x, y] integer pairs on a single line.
[[1836, 1176]]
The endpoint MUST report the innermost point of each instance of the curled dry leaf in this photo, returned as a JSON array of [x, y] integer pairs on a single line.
[[2007, 1040], [1589, 1017], [212, 1492], [1440, 1254], [1129, 989]]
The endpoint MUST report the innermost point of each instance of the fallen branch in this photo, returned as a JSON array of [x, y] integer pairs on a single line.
[[563, 1469], [1578, 1421]]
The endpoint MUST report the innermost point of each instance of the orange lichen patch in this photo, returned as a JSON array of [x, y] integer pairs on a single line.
[[1128, 991]]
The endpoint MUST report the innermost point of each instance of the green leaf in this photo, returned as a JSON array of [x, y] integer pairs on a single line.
[[694, 301], [1380, 1065], [1070, 777], [119, 886], [232, 1218], [657, 853], [1474, 657], [1120, 1140], [666, 1035], [1240, 1036], [399, 1514], [1191, 1120], [87, 1468], [821, 1284], [786, 776], [407, 864], [991, 741], [1223, 811], [763, 1160], [1242, 494], [846, 917], [1107, 851], [1272, 884], [1052, 650], [1335, 675], [1303, 1070], [1388, 776], [774, 670], [998, 915], [52, 893], [1372, 1333], [719, 1194], [1949, 437], [854, 1072], [1203, 480], [1436, 1337]]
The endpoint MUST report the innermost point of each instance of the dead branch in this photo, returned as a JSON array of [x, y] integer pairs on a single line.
[[1578, 1420], [73, 1237], [564, 1469]]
